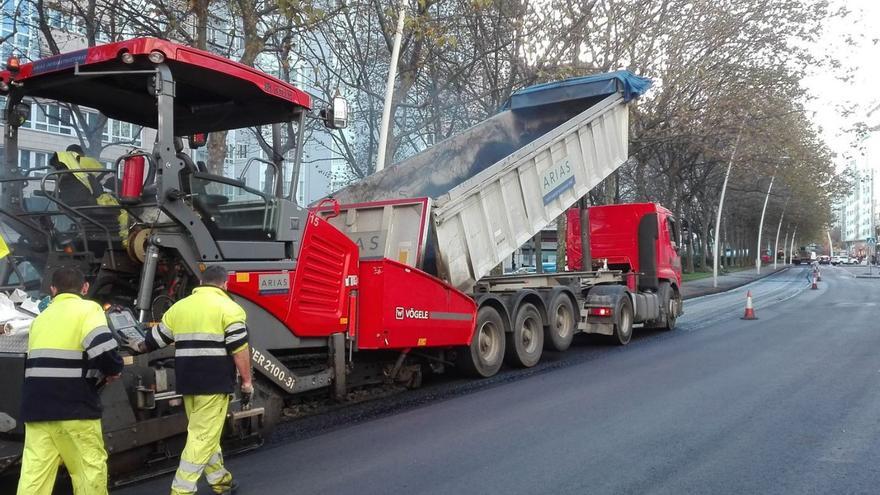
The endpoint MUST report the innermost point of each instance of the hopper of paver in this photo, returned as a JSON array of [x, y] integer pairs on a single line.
[[459, 208]]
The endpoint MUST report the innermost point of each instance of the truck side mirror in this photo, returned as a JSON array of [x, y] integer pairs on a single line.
[[336, 115]]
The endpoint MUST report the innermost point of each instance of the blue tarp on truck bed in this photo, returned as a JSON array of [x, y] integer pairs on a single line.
[[579, 87]]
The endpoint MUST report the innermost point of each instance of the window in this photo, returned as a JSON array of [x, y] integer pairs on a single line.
[[117, 131], [673, 232], [32, 159], [24, 159], [65, 21], [51, 118]]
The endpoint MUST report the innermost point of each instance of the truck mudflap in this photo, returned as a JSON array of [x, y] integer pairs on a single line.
[[602, 297]]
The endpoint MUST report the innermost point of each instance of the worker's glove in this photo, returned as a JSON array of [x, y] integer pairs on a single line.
[[247, 393], [134, 344]]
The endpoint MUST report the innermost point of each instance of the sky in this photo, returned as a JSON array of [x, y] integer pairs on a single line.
[[831, 94]]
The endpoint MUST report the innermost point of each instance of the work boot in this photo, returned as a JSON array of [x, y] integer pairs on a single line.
[[233, 487]]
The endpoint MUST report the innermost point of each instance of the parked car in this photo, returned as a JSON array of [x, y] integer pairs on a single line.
[[824, 259], [836, 260], [548, 266]]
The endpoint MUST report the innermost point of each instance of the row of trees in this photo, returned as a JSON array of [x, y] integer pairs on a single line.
[[728, 84]]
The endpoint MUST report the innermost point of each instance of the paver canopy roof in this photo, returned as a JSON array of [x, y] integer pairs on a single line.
[[211, 93]]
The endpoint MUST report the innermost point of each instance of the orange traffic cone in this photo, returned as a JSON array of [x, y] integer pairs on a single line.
[[815, 282], [750, 311]]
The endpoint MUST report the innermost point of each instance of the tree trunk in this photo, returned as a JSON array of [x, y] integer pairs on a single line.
[[586, 254], [689, 249], [200, 9], [561, 232], [217, 152], [538, 241], [704, 245]]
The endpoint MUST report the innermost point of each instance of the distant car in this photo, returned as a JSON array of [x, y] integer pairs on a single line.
[[836, 260], [824, 259], [523, 270], [549, 267]]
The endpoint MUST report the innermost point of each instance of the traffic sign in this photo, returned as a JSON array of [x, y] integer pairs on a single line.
[[872, 240]]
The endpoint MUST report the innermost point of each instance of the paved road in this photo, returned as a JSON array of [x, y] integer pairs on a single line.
[[732, 280], [785, 404]]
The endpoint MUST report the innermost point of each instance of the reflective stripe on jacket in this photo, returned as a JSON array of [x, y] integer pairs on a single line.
[[206, 328], [70, 349]]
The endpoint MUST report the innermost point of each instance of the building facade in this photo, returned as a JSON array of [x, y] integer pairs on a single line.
[[858, 214], [51, 126]]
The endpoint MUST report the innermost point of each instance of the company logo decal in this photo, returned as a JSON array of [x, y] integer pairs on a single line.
[[402, 313]]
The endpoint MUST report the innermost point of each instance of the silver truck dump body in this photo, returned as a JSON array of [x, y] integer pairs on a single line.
[[491, 188]]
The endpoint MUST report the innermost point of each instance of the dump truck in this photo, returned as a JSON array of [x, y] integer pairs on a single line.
[[349, 293], [460, 208]]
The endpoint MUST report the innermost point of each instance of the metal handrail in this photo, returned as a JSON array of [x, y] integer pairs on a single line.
[[268, 200], [64, 206], [275, 172]]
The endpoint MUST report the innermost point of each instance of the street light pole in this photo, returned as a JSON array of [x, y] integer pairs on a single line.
[[791, 249], [830, 244], [761, 226], [389, 91], [721, 205], [785, 243], [776, 244]]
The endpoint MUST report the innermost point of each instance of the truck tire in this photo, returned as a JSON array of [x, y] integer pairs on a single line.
[[623, 329], [526, 342], [669, 302], [561, 323], [484, 356]]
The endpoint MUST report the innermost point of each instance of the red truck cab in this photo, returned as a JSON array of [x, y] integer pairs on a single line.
[[636, 238]]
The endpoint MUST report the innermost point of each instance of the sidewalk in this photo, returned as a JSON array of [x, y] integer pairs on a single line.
[[703, 286]]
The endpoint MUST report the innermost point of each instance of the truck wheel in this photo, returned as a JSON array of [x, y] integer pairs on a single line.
[[483, 358], [526, 341], [623, 330], [669, 301], [561, 325]]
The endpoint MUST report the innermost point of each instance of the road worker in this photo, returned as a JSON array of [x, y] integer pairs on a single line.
[[71, 353], [83, 186], [211, 341]]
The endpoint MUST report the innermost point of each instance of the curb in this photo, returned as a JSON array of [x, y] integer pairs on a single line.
[[718, 290]]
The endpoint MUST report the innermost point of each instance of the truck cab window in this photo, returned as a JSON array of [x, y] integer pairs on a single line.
[[673, 232]]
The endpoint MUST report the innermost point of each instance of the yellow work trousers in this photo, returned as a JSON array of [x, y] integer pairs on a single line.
[[206, 415], [78, 443]]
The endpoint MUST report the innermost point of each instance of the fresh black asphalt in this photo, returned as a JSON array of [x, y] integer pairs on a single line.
[[785, 404]]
